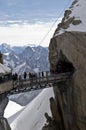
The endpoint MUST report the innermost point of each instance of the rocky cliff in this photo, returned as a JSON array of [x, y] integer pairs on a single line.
[[3, 121], [67, 52], [3, 103], [1, 59], [71, 94]]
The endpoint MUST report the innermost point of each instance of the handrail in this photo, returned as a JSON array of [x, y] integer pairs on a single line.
[[21, 83], [49, 78]]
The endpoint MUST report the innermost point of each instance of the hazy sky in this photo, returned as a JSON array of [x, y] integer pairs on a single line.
[[28, 21]]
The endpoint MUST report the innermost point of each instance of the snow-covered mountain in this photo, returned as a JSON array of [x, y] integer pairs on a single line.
[[18, 49], [31, 116], [27, 58], [74, 18], [35, 57], [5, 48]]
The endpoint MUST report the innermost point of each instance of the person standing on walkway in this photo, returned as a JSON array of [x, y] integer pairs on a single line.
[[25, 75]]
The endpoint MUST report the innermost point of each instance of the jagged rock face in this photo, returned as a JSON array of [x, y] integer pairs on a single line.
[[1, 59], [70, 96], [3, 121]]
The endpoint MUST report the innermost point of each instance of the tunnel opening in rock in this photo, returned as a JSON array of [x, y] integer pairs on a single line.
[[63, 65]]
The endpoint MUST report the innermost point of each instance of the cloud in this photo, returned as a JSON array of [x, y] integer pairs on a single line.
[[22, 34], [26, 10]]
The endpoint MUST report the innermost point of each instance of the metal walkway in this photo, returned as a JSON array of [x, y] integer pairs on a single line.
[[38, 83], [24, 85]]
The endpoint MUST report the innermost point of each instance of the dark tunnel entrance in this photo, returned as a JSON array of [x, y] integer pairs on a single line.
[[64, 66]]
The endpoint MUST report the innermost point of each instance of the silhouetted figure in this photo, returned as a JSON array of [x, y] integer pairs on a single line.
[[42, 74], [30, 75], [15, 76], [25, 75]]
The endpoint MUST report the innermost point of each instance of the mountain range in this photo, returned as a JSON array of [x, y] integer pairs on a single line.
[[25, 58]]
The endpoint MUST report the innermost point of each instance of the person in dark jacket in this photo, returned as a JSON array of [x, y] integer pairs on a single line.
[[25, 75]]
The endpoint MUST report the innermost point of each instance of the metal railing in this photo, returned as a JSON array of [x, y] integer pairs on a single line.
[[34, 82]]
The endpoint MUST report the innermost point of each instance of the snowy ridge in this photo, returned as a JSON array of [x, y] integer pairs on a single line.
[[32, 116], [25, 58], [78, 13], [22, 68], [26, 97], [4, 69], [14, 108]]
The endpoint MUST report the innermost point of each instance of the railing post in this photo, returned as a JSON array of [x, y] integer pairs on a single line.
[[47, 76]]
